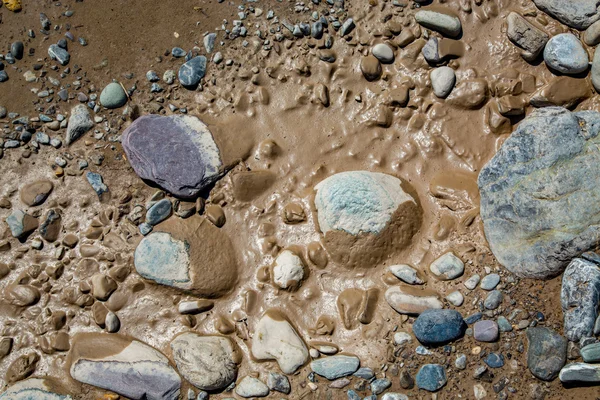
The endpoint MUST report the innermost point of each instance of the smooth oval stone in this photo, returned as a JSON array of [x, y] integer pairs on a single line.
[[371, 68], [407, 300], [442, 81], [444, 23], [591, 353], [447, 267], [436, 327], [17, 49], [113, 96], [494, 360], [35, 193], [159, 211], [383, 52], [455, 298], [485, 331], [595, 72], [36, 389], [591, 36], [335, 367], [251, 387], [504, 325], [493, 300], [407, 274], [472, 282], [580, 373], [192, 72], [431, 377], [564, 53], [489, 282]]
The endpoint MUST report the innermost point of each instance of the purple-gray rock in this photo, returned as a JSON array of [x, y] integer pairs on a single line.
[[580, 296], [485, 331]]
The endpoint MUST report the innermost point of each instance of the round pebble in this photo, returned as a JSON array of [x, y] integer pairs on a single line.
[[383, 52], [565, 53], [113, 96]]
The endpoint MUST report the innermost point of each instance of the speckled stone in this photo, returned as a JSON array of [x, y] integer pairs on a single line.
[[436, 327], [431, 377], [565, 53], [335, 367]]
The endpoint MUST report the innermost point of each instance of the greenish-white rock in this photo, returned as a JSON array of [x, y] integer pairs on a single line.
[[113, 96]]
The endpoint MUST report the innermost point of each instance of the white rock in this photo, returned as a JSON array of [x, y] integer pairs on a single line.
[[401, 338], [442, 81], [447, 267], [406, 273], [412, 302], [288, 270], [456, 298], [472, 282], [251, 387], [383, 53], [479, 391]]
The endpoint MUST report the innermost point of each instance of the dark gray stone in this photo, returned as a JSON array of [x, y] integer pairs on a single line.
[[192, 72], [547, 353], [431, 377], [525, 35], [577, 14], [17, 49], [436, 327], [580, 298], [278, 383]]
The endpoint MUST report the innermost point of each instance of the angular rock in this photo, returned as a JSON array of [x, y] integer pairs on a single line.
[[526, 35], [447, 267], [445, 23], [407, 274], [431, 377], [80, 122], [192, 72], [207, 362], [278, 383], [288, 270], [35, 193], [563, 91], [580, 298], [21, 224], [335, 367], [565, 53], [437, 327], [59, 54], [547, 353], [127, 367], [36, 389], [97, 183], [538, 192], [580, 373], [578, 14]]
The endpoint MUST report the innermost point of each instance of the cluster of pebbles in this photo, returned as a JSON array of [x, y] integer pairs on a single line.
[[316, 200]]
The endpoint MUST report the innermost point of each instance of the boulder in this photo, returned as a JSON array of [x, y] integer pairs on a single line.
[[578, 14]]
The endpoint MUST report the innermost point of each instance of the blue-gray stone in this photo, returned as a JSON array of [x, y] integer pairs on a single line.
[[97, 183], [578, 14], [565, 53], [80, 122], [145, 228], [347, 27], [42, 138], [152, 76], [580, 373], [431, 377], [178, 52], [113, 96], [159, 211], [504, 325], [335, 367], [378, 386], [279, 383], [35, 389], [493, 300], [45, 22], [461, 362], [3, 76], [447, 267], [316, 30], [422, 351], [591, 353], [494, 360], [21, 223], [446, 24], [431, 51], [437, 327], [352, 395], [365, 373], [209, 42], [59, 54], [11, 144], [156, 88], [540, 193], [580, 298], [192, 72], [489, 282]]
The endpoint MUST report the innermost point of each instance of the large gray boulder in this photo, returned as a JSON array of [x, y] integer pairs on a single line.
[[577, 14], [540, 194]]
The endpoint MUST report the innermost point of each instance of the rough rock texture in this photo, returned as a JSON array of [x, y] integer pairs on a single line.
[[207, 362], [176, 152], [335, 367], [526, 35], [80, 122], [577, 14], [540, 198], [436, 327], [547, 353], [580, 298], [35, 389], [580, 373]]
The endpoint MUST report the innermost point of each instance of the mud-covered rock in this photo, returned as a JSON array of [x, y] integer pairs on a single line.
[[36, 389], [577, 14]]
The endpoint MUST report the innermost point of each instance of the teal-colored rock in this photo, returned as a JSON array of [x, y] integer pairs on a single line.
[[431, 377], [34, 389], [335, 367], [163, 259], [580, 373], [113, 96], [591, 353]]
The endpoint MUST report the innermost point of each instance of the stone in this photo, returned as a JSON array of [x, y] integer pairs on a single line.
[[469, 94], [365, 373], [347, 27], [122, 365], [176, 152], [59, 54], [288, 270], [276, 339], [461, 362], [207, 362], [431, 377], [493, 300], [580, 373], [21, 367], [407, 274], [97, 183], [79, 123], [335, 367], [442, 81], [591, 353], [371, 68], [394, 396], [526, 35], [472, 282], [445, 23], [36, 389], [579, 15], [22, 295], [113, 96], [580, 298], [35, 193], [565, 53], [564, 91], [504, 325], [16, 49], [364, 216], [378, 386], [209, 42], [494, 360], [103, 286], [455, 298], [51, 226], [195, 306], [402, 338], [437, 327], [479, 391], [591, 36], [278, 383], [524, 178], [160, 211], [406, 300], [192, 72], [251, 387], [485, 331], [595, 71], [21, 224], [447, 267], [112, 322], [383, 52]]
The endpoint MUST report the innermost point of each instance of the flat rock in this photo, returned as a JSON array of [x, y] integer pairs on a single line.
[[35, 193], [578, 14], [365, 216], [127, 367], [565, 53], [36, 389], [408, 300], [442, 81], [447, 267], [59, 54], [526, 35], [591, 353], [159, 211], [383, 52], [276, 339], [335, 367], [251, 387], [431, 377], [79, 123], [176, 152], [436, 327], [489, 282], [580, 373], [563, 91], [547, 352], [207, 362], [580, 298], [192, 72], [538, 193], [445, 23]]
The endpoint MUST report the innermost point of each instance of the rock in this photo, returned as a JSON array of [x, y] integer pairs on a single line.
[[394, 396], [563, 91], [35, 193], [564, 53], [276, 339], [127, 367], [97, 183], [472, 282], [461, 362], [80, 122], [195, 306], [278, 383], [103, 286], [489, 282], [21, 224], [16, 49], [22, 367], [580, 298], [160, 211], [402, 338], [595, 72], [347, 27], [36, 389], [578, 15], [364, 216], [445, 23], [469, 94], [407, 274], [112, 322], [494, 360], [591, 353], [479, 392], [192, 72], [176, 152], [525, 178], [113, 96], [251, 387], [51, 226], [431, 377], [455, 298], [59, 54], [442, 81], [288, 270], [406, 380], [504, 325], [447, 267], [378, 386], [406, 300], [3, 76], [485, 331], [591, 36], [207, 362], [493, 300], [580, 373], [209, 42], [383, 52], [437, 327], [371, 68], [335, 367], [22, 295], [365, 373], [526, 35]]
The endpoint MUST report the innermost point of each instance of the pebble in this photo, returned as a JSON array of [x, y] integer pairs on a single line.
[[371, 68], [591, 36], [504, 325], [455, 298], [278, 383], [461, 362], [437, 327], [169, 77], [580, 373], [485, 331], [472, 282], [347, 27], [591, 353], [3, 76], [113, 96], [36, 193], [383, 52], [431, 377], [409, 302], [36, 389], [446, 24], [195, 306], [251, 387], [407, 274], [209, 42], [17, 49], [379, 386], [288, 270], [494, 360], [178, 52], [447, 267], [479, 391], [526, 35], [59, 54], [489, 282], [112, 322], [97, 183], [152, 76], [493, 300], [442, 81], [192, 72], [160, 211], [402, 338], [579, 297], [547, 352], [394, 396], [21, 224], [335, 367], [564, 53]]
